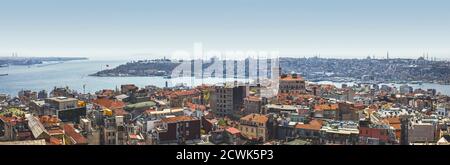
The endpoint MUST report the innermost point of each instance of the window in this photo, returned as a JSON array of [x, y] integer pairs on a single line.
[[187, 124]]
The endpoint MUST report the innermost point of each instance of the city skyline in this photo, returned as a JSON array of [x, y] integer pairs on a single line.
[[154, 29]]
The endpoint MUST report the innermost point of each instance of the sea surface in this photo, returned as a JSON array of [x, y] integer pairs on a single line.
[[75, 75]]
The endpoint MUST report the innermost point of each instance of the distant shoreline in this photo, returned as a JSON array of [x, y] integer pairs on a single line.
[[365, 70], [6, 61]]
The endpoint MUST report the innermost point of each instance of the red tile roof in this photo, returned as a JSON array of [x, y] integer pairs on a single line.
[[108, 103], [290, 78], [256, 118], [196, 106], [233, 130], [326, 107], [6, 119], [47, 119], [55, 141], [70, 131], [120, 112], [393, 121], [177, 119], [312, 125], [11, 120], [183, 93]]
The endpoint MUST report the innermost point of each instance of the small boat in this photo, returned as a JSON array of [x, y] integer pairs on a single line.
[[6, 74], [4, 65]]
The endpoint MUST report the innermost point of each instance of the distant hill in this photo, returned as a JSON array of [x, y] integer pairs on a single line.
[[159, 67], [318, 69]]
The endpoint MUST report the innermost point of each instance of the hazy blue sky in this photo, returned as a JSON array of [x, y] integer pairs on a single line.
[[147, 28]]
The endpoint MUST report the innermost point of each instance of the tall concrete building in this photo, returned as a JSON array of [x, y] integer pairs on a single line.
[[67, 109], [228, 100]]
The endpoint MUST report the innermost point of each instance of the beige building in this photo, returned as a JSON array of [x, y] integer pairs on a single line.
[[62, 103], [291, 84], [254, 127], [421, 132]]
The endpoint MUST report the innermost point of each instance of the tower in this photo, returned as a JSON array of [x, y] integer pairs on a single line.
[[404, 120]]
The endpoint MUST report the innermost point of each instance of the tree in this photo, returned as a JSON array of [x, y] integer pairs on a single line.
[[222, 122]]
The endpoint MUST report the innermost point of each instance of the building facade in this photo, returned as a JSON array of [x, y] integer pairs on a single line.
[[228, 100], [180, 129], [291, 84], [254, 127]]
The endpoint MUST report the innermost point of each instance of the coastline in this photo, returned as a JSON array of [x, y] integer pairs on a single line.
[[77, 73]]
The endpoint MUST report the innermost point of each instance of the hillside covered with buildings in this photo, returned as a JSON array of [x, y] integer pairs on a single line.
[[230, 113], [317, 69]]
